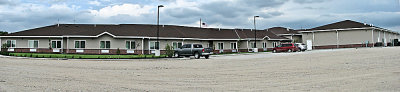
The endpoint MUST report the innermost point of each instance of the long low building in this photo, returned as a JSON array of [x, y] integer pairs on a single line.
[[142, 38], [134, 39], [348, 34]]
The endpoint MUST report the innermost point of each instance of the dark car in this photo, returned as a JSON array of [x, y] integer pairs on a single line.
[[286, 47], [195, 50]]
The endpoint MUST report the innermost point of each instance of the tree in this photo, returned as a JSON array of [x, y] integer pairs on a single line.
[[3, 33]]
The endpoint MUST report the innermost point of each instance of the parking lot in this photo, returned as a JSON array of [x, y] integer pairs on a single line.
[[363, 69]]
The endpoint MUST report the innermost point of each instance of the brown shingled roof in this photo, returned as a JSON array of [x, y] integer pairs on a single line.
[[143, 30], [282, 30], [342, 25]]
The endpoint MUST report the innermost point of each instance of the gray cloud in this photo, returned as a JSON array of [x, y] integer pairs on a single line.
[[225, 14], [262, 3], [7, 2], [309, 1]]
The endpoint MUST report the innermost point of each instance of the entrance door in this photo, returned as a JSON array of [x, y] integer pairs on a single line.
[[309, 44]]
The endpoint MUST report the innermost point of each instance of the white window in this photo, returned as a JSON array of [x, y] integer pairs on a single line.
[[154, 45], [274, 44], [105, 44], [233, 45], [11, 43], [176, 45], [252, 45], [264, 45], [80, 44], [220, 46], [33, 43], [130, 45], [56, 44]]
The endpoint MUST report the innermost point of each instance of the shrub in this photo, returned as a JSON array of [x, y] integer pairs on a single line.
[[118, 51], [169, 50], [5, 53]]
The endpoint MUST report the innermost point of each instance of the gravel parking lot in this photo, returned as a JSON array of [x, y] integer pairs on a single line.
[[361, 70]]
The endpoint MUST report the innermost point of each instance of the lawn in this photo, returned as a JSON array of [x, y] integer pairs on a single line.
[[80, 56]]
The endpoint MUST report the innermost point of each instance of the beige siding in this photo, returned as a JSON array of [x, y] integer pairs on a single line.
[[243, 45], [355, 37], [376, 36], [227, 44], [94, 43], [325, 38], [307, 36], [270, 44], [23, 42]]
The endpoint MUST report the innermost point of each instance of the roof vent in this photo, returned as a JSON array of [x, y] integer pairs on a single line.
[[251, 29], [219, 29], [287, 29], [163, 25]]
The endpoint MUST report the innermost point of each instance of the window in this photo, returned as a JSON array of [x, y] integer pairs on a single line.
[[274, 44], [197, 46], [252, 45], [233, 45], [130, 45], [176, 45], [105, 44], [264, 45], [33, 43], [80, 44], [286, 45], [11, 43], [154, 45], [187, 46], [220, 46], [56, 44]]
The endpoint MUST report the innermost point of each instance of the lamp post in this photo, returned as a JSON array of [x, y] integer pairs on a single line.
[[255, 32], [158, 26]]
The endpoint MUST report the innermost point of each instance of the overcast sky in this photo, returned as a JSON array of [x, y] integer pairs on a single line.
[[18, 15]]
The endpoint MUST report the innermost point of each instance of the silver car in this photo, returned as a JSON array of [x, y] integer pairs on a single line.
[[302, 46]]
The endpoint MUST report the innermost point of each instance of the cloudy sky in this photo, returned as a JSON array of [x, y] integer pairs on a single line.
[[17, 15]]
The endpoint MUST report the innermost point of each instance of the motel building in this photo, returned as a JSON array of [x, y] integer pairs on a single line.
[[142, 38], [134, 39]]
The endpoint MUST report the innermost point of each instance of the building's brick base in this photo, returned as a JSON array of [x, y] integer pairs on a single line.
[[241, 50], [342, 46], [114, 51]]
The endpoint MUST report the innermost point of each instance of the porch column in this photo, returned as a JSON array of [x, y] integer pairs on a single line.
[[313, 40], [143, 46], [149, 45], [372, 41], [67, 44], [1, 44], [337, 39], [62, 43]]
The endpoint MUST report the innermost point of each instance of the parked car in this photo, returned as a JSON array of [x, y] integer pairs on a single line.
[[302, 46], [195, 50], [286, 47]]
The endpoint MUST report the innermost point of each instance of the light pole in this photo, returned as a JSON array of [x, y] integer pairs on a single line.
[[255, 32], [158, 26]]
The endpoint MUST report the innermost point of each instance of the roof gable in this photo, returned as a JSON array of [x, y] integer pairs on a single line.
[[342, 25]]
